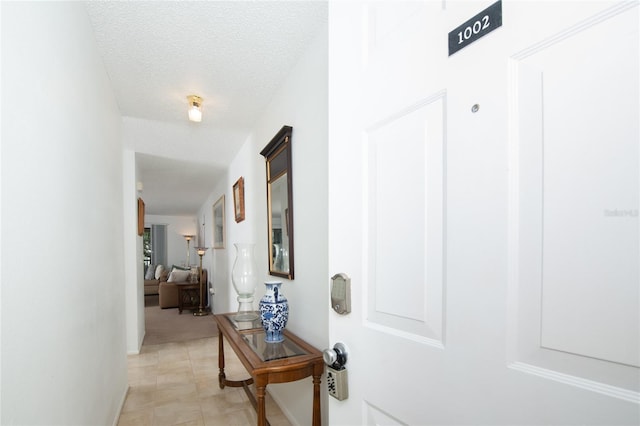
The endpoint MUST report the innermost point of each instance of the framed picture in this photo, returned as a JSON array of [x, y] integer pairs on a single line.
[[218, 224], [140, 216], [238, 199]]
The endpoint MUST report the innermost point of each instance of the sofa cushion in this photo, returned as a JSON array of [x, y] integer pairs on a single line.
[[159, 270], [151, 287], [178, 276], [168, 295], [151, 272]]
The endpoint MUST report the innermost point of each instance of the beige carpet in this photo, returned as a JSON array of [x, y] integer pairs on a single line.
[[166, 325]]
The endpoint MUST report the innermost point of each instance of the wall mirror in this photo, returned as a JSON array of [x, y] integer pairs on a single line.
[[277, 155]]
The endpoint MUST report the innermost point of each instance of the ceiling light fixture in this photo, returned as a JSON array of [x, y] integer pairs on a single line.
[[195, 108]]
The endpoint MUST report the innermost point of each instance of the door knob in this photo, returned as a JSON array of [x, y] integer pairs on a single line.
[[336, 357], [337, 382]]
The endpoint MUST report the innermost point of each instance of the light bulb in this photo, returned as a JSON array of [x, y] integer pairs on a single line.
[[195, 114], [195, 108]]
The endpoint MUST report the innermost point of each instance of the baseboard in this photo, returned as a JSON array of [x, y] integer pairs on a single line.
[[124, 398], [133, 352], [137, 351], [284, 409], [142, 336]]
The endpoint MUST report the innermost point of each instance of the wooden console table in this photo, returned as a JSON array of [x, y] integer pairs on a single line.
[[287, 361]]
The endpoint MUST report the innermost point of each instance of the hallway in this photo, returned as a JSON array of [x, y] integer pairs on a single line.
[[177, 384]]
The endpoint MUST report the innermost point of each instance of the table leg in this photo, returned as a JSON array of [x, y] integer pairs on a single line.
[[262, 412], [316, 421], [221, 375]]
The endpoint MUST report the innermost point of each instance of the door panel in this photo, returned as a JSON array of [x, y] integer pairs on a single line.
[[475, 203], [405, 282], [576, 112]]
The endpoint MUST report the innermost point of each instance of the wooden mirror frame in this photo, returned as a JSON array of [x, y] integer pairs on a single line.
[[277, 150]]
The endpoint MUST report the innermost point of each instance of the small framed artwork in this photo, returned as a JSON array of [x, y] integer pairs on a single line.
[[218, 224], [140, 216], [238, 199]]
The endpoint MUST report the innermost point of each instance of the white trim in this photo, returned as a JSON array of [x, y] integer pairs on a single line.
[[590, 385], [437, 344], [122, 401], [580, 26]]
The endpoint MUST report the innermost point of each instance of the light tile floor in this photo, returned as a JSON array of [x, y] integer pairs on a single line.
[[177, 384]]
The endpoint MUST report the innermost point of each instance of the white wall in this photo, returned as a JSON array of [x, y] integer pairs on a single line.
[[133, 257], [177, 228], [247, 164], [219, 262], [301, 103], [63, 317], [215, 260]]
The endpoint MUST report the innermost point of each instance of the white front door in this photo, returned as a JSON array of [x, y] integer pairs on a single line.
[[485, 206]]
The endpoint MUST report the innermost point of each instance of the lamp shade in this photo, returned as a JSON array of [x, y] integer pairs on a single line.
[[195, 108]]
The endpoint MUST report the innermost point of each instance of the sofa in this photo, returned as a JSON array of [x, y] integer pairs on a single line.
[[155, 274], [152, 277], [168, 291]]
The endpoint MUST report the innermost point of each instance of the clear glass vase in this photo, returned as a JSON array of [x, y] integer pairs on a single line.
[[245, 278]]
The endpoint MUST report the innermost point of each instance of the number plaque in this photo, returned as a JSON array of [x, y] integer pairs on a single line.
[[478, 26]]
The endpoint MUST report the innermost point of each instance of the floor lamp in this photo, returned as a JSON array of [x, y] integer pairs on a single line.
[[201, 312], [188, 238]]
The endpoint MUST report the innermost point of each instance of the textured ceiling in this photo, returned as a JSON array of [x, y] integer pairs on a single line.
[[234, 54]]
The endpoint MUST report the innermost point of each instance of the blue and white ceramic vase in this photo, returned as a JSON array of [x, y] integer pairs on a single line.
[[274, 312]]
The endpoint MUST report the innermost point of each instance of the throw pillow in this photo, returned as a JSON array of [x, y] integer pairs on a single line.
[[182, 268], [159, 270], [178, 276], [151, 272]]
